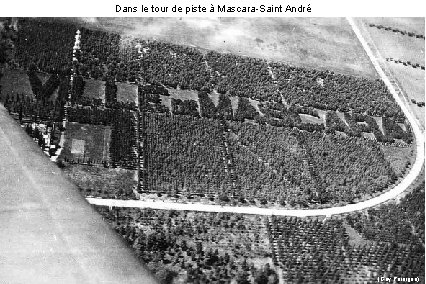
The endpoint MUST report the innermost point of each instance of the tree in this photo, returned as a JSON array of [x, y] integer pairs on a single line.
[[166, 275], [242, 277], [224, 107]]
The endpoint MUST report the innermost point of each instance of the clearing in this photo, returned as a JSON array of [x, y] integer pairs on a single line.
[[127, 92], [85, 140], [94, 89]]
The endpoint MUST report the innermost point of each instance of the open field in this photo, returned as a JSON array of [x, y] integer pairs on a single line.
[[413, 82], [214, 96], [399, 46], [94, 89], [127, 92], [311, 119], [179, 94], [92, 137], [411, 24], [324, 43], [393, 45], [183, 94]]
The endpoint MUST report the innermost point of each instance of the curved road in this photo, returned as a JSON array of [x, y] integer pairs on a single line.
[[390, 194]]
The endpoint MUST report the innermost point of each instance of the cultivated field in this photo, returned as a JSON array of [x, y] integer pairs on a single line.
[[94, 89], [324, 43], [92, 142], [411, 24], [413, 83], [127, 92], [398, 46]]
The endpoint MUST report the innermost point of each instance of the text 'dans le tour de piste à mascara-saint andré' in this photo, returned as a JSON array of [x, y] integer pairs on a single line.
[[199, 9]]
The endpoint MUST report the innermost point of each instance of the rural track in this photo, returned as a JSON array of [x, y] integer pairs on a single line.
[[392, 193]]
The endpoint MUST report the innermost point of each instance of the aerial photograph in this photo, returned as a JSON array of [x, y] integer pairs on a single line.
[[212, 150]]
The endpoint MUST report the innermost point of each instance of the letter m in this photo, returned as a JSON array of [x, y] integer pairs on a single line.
[[221, 10]]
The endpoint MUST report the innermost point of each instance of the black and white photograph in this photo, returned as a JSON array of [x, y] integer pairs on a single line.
[[238, 150]]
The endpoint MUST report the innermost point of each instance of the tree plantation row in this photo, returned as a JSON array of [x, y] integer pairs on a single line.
[[196, 247], [258, 164], [257, 150], [47, 46], [202, 153]]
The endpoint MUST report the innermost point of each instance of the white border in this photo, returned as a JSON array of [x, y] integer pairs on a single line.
[[106, 8]]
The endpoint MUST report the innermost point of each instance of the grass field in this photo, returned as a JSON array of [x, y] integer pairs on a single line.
[[94, 89], [214, 96], [400, 46], [413, 82], [306, 118], [411, 79], [127, 92], [234, 103], [379, 123], [183, 94], [312, 42], [179, 94], [102, 182], [192, 95], [93, 146]]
